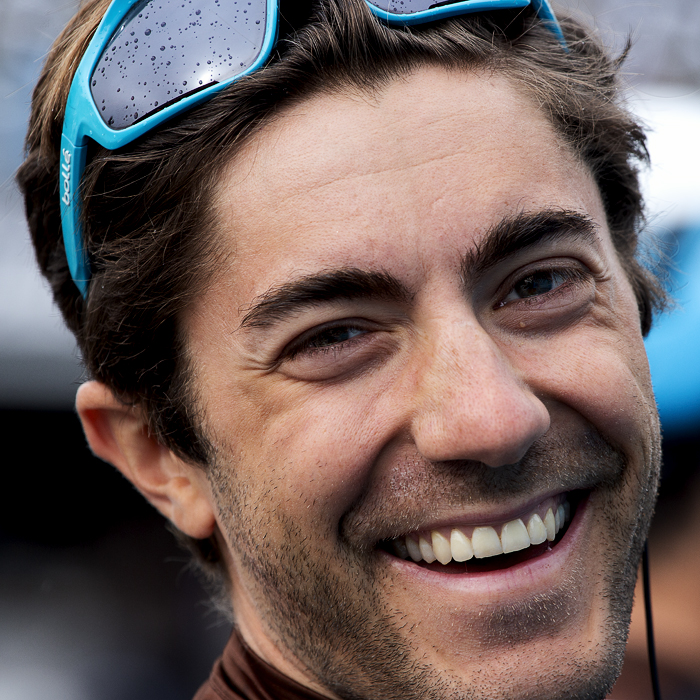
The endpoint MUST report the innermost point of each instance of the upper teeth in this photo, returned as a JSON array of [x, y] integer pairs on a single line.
[[463, 543]]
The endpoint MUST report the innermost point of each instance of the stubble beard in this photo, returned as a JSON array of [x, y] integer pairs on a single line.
[[324, 605]]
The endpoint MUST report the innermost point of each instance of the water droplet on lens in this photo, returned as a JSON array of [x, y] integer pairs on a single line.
[[147, 32], [162, 48], [184, 82], [162, 24]]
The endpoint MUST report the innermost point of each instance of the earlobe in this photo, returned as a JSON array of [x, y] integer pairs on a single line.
[[119, 434]]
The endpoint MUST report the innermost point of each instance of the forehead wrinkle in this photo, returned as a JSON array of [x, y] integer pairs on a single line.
[[266, 144], [302, 191]]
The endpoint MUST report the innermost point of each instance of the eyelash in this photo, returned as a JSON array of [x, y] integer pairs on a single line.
[[569, 275], [305, 343]]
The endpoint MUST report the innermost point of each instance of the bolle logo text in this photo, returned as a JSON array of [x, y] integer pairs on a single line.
[[65, 176]]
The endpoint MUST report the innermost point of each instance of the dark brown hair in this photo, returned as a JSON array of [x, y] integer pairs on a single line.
[[146, 206]]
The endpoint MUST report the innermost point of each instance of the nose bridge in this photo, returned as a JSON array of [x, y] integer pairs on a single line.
[[471, 402]]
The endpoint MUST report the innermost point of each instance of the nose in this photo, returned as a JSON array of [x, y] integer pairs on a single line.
[[472, 404]]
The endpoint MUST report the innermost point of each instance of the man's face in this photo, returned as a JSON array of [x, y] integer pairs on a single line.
[[422, 328]]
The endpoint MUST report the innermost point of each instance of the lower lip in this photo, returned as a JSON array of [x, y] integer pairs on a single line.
[[531, 572]]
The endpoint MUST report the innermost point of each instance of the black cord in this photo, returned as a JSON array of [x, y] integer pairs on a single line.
[[650, 626]]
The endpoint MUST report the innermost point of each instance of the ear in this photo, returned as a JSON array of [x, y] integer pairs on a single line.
[[119, 435]]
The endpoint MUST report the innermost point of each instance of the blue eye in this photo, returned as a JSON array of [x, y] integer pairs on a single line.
[[538, 283], [324, 339], [332, 336]]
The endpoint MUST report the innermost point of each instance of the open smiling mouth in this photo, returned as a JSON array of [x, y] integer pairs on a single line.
[[463, 549]]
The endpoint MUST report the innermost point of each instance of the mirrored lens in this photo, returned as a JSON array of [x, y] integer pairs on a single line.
[[167, 49], [404, 7]]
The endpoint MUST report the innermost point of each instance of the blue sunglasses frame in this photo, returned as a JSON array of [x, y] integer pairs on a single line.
[[82, 121]]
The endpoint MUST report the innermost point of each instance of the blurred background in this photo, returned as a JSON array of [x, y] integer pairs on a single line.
[[96, 601]]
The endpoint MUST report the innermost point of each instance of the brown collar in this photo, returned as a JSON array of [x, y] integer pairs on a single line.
[[242, 675]]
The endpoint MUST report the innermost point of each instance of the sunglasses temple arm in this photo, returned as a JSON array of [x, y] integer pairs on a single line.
[[546, 14], [72, 165]]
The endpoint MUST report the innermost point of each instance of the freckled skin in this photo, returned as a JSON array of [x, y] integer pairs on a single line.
[[462, 400]]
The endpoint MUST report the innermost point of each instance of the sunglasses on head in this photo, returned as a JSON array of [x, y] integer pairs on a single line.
[[151, 60]]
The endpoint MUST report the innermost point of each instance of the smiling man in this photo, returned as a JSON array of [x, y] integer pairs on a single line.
[[366, 327]]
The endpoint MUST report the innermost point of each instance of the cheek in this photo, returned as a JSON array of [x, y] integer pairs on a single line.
[[603, 377], [311, 449]]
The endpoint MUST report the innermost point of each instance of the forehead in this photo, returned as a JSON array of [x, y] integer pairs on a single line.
[[357, 179]]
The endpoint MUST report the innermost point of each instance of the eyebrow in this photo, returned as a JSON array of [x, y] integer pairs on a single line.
[[514, 234], [344, 284], [505, 238]]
